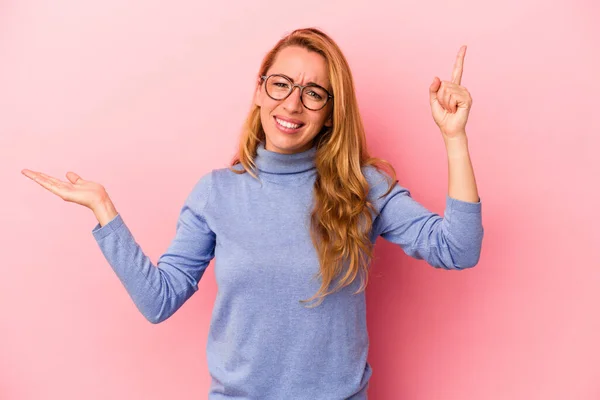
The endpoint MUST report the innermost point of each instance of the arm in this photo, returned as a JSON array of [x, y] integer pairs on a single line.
[[158, 291], [454, 241], [450, 242], [461, 178], [105, 211]]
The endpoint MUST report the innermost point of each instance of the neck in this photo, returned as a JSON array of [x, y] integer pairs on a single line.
[[279, 163]]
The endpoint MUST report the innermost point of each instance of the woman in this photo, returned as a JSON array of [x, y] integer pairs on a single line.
[[291, 226]]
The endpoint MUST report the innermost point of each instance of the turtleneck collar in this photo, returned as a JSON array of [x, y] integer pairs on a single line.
[[279, 163]]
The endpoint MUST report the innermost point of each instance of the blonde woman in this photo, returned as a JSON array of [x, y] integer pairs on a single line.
[[291, 225]]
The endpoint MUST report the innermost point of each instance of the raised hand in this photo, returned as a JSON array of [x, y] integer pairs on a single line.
[[77, 190], [451, 102]]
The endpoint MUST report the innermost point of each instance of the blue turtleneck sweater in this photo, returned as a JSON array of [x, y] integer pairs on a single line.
[[263, 343]]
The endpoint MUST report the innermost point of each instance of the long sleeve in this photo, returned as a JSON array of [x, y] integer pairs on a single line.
[[451, 242], [158, 291]]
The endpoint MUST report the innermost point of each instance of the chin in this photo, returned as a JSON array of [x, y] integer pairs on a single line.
[[287, 144]]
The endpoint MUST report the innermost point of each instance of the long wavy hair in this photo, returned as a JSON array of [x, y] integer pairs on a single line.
[[342, 218]]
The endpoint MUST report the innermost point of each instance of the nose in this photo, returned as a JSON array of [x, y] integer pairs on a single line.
[[293, 103]]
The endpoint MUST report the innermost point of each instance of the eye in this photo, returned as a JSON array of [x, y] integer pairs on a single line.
[[314, 95], [281, 84]]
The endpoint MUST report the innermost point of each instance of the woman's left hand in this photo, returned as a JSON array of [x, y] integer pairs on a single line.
[[451, 102]]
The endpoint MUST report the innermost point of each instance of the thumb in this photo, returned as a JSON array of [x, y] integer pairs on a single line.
[[73, 177], [433, 89]]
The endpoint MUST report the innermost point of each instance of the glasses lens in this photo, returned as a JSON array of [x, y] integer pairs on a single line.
[[314, 97], [278, 87]]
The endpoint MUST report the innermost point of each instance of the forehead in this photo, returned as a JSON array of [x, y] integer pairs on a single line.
[[301, 65]]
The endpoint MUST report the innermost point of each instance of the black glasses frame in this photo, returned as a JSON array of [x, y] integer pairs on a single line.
[[301, 87]]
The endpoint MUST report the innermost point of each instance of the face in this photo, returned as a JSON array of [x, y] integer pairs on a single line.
[[302, 66]]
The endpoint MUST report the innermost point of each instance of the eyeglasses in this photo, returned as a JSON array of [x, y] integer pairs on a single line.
[[279, 87]]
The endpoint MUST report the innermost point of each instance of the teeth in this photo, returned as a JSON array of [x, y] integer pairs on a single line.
[[287, 124]]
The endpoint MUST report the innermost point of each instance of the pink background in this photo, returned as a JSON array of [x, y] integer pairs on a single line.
[[145, 97]]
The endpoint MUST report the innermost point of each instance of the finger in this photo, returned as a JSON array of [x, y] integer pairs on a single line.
[[33, 175], [47, 182], [442, 96], [452, 100], [442, 102], [447, 96], [433, 89], [28, 173], [51, 178], [458, 65], [73, 177]]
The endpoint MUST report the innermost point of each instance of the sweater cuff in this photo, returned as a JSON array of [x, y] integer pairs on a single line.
[[101, 232], [464, 206]]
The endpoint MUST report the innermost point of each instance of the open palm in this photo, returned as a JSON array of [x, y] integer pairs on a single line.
[[75, 190]]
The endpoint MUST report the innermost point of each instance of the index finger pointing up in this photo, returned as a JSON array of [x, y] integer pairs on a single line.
[[458, 65]]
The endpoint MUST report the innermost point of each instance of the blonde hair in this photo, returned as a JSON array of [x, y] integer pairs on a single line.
[[341, 219]]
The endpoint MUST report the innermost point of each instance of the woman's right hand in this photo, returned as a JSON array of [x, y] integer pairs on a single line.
[[77, 190]]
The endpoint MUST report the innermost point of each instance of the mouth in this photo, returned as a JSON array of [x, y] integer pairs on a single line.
[[287, 126]]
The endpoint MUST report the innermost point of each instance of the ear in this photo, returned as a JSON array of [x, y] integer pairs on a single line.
[[329, 121], [257, 93]]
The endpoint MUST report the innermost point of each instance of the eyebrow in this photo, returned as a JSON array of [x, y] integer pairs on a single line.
[[308, 83]]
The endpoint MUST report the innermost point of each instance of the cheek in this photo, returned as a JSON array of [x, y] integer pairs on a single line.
[[266, 112], [268, 105], [319, 120]]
